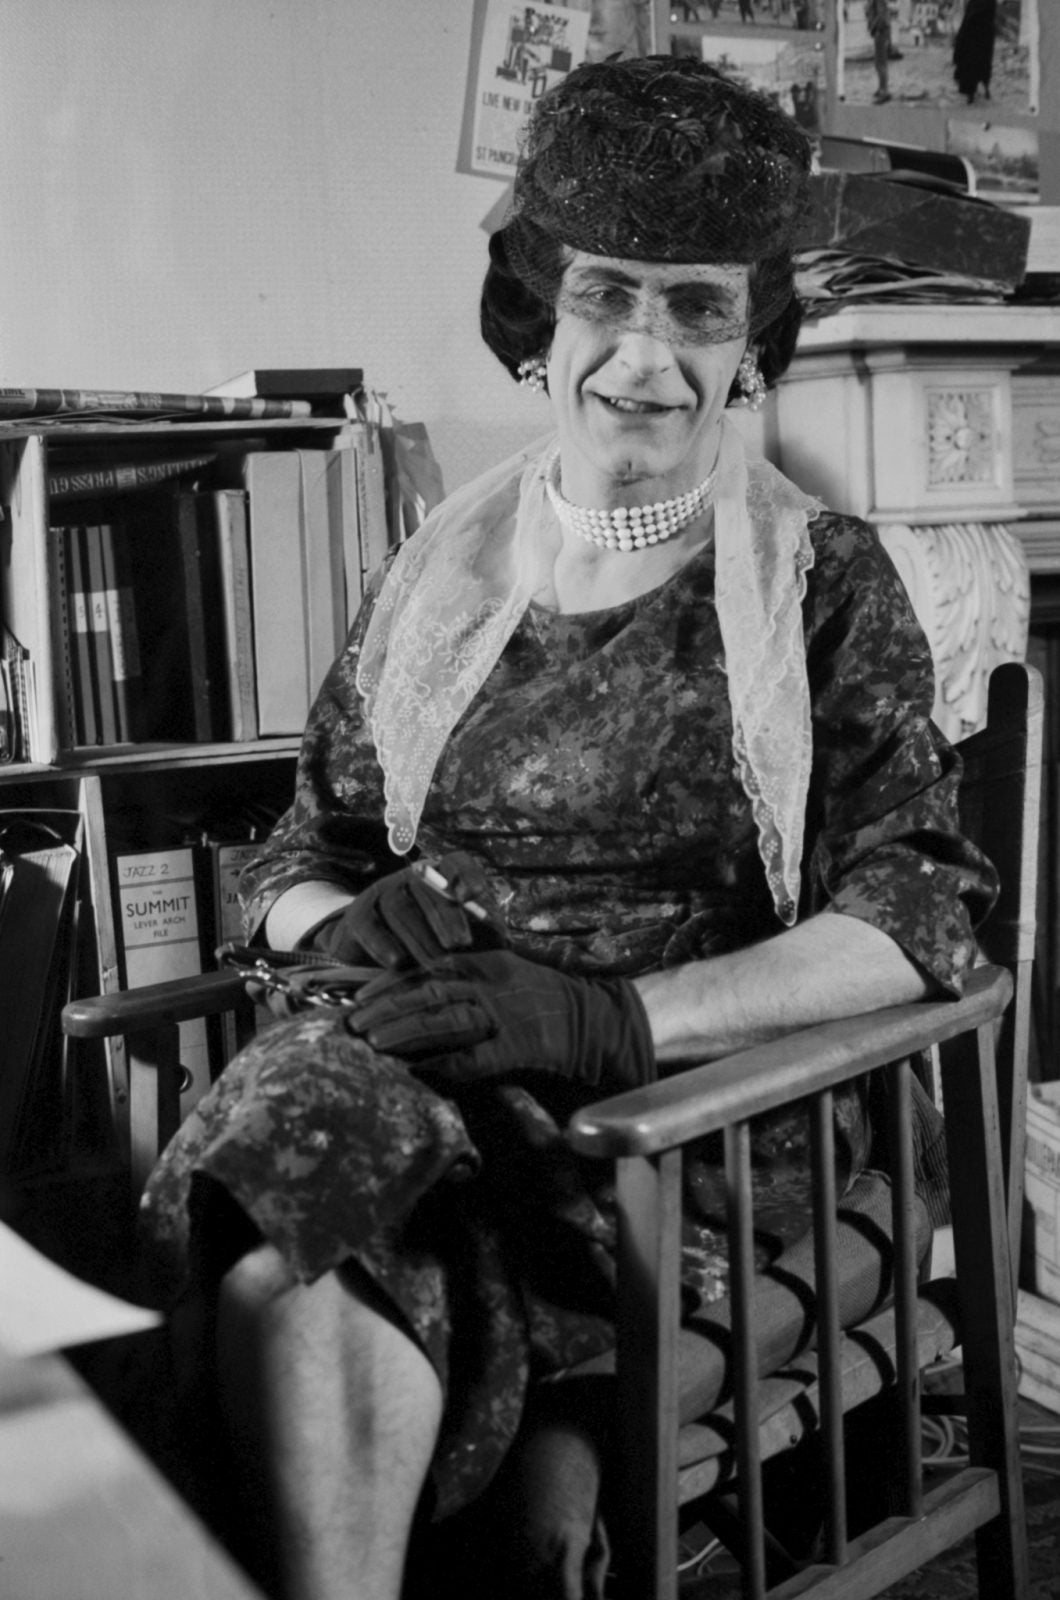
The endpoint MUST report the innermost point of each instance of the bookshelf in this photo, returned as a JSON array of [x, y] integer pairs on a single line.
[[155, 792]]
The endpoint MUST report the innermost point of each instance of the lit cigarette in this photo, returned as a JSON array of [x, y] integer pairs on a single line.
[[436, 880]]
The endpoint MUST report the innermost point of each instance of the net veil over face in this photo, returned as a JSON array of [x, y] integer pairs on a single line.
[[693, 305]]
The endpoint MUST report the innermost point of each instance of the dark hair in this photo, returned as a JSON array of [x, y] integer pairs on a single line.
[[776, 342], [517, 324]]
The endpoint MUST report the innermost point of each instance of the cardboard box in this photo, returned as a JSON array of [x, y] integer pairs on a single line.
[[873, 214], [1042, 1188], [1038, 1350]]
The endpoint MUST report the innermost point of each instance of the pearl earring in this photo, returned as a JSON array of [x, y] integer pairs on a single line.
[[750, 381], [532, 372]]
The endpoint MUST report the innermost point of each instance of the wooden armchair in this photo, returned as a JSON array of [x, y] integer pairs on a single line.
[[979, 1045], [147, 1092]]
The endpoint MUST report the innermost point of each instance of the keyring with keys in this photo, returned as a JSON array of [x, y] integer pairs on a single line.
[[301, 978]]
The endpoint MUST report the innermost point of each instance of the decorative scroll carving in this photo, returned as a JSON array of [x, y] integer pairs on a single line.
[[962, 436], [970, 589]]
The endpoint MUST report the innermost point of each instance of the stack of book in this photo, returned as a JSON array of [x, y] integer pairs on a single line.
[[201, 594], [185, 568]]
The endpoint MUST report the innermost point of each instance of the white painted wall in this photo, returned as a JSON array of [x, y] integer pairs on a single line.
[[192, 187]]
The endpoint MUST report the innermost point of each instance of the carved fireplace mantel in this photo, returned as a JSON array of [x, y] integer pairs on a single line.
[[940, 425]]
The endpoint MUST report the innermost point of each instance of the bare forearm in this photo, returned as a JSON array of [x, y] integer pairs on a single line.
[[295, 911], [831, 966]]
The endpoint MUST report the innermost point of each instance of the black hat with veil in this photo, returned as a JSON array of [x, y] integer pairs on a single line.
[[659, 158]]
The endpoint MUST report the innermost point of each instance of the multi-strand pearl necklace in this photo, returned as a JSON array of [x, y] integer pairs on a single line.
[[627, 527]]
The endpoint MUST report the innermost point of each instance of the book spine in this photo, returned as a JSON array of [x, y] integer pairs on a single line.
[[1044, 1392], [62, 639], [161, 935], [35, 739], [125, 642], [337, 511], [230, 510], [56, 402], [189, 535], [19, 740], [20, 696], [329, 385], [229, 859], [352, 558], [102, 642], [86, 698], [323, 382], [322, 556], [122, 478], [274, 495], [30, 946], [375, 527]]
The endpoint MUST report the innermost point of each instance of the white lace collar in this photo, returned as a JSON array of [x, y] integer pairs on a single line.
[[457, 589]]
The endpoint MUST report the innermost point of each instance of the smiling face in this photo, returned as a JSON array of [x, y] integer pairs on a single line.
[[642, 360]]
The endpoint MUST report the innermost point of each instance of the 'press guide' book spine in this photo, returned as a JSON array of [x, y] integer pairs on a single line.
[[122, 477], [158, 909]]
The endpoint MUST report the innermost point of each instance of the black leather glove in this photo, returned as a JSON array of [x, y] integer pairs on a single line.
[[475, 1016], [401, 921]]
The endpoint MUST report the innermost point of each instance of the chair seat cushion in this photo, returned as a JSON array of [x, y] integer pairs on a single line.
[[790, 1403]]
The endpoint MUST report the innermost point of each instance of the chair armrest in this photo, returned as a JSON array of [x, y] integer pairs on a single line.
[[700, 1100], [137, 1010]]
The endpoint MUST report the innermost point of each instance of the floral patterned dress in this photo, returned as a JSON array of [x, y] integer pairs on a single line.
[[593, 779]]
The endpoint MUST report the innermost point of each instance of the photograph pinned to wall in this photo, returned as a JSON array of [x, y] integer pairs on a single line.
[[790, 67], [619, 27], [517, 52], [1004, 158], [939, 53], [800, 14]]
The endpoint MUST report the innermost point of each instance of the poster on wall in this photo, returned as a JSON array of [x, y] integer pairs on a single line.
[[517, 52]]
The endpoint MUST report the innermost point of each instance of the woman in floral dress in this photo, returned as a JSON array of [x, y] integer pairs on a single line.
[[657, 725]]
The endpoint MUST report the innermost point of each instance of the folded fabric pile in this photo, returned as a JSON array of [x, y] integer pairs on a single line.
[[828, 280]]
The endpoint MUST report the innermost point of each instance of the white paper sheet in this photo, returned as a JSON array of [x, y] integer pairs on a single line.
[[44, 1307]]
